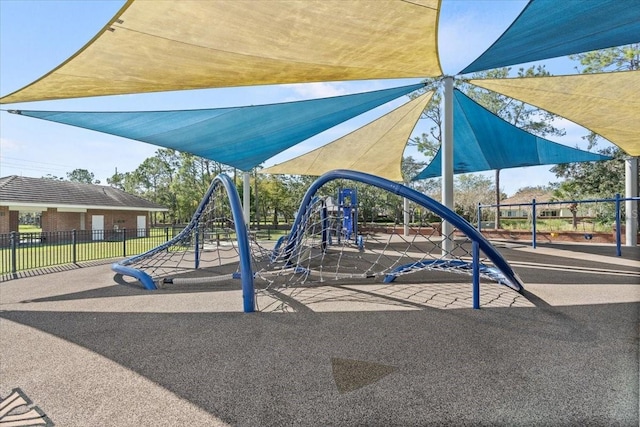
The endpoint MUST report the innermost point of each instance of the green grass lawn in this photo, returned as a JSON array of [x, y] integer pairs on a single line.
[[556, 225]]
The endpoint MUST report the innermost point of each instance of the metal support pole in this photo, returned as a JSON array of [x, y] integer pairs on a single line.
[[475, 249], [533, 225], [246, 196], [406, 217], [479, 217], [196, 238], [618, 227], [498, 197], [631, 206], [447, 165]]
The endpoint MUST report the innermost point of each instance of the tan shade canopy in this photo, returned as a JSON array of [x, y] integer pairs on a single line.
[[153, 46], [607, 103], [375, 148]]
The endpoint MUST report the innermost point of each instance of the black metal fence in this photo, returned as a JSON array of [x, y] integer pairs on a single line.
[[613, 215], [27, 251], [35, 250]]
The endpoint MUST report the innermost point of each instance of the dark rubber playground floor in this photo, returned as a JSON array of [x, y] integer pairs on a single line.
[[88, 351]]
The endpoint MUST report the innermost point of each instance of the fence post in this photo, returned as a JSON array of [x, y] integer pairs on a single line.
[[74, 240], [14, 245], [618, 231], [475, 248], [166, 234], [479, 217], [533, 227], [124, 242], [197, 247]]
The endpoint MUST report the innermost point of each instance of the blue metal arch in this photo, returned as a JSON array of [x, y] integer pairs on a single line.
[[248, 295], [416, 197]]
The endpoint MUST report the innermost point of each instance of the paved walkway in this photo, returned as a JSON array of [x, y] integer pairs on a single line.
[[87, 350]]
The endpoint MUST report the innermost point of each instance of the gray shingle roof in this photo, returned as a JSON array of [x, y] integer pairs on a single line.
[[525, 196], [19, 189]]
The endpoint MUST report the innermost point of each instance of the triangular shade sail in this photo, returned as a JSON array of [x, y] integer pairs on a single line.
[[484, 141], [607, 104], [152, 46], [242, 137], [552, 28], [376, 148]]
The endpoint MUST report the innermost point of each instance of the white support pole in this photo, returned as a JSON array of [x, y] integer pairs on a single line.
[[246, 196], [447, 164], [631, 206], [406, 218]]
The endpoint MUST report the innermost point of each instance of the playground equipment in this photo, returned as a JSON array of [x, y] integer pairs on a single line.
[[348, 202], [215, 246], [212, 242], [344, 222]]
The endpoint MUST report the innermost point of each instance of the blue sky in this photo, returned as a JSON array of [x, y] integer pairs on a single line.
[[36, 36]]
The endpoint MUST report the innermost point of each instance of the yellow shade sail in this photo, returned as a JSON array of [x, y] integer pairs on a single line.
[[607, 104], [153, 46], [375, 148]]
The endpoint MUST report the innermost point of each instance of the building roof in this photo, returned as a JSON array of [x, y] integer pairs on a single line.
[[542, 196], [526, 195], [49, 193]]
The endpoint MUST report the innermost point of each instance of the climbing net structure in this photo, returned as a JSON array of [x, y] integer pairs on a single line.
[[329, 241]]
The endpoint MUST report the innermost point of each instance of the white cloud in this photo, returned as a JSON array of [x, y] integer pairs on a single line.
[[8, 145], [317, 90]]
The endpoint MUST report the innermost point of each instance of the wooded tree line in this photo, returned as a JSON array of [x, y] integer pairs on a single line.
[[179, 180]]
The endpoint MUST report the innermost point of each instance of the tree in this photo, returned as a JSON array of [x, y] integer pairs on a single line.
[[429, 143], [593, 179], [56, 178], [82, 175], [472, 189], [621, 58], [117, 180]]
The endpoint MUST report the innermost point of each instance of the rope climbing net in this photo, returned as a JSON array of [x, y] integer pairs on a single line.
[[329, 241]]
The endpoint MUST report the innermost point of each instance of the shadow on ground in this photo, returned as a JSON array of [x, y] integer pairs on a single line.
[[516, 366]]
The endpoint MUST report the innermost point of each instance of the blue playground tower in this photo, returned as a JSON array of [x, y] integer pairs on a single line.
[[348, 204]]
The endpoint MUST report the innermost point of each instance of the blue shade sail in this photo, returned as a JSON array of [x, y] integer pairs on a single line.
[[484, 141], [552, 28], [242, 137]]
